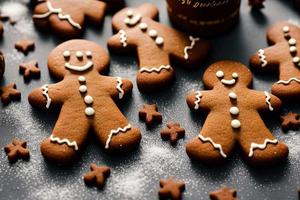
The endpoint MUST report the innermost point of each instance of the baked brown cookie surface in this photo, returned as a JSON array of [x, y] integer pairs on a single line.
[[87, 102], [234, 117], [156, 46]]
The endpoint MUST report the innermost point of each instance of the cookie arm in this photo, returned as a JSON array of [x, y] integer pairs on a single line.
[[46, 96], [120, 87], [122, 42], [198, 101], [95, 11], [266, 59], [268, 102]]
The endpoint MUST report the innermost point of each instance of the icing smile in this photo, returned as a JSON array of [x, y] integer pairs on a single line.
[[79, 56], [220, 74]]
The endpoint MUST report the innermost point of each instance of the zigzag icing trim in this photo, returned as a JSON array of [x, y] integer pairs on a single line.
[[114, 132], [57, 11], [268, 98], [187, 48], [45, 94], [62, 141], [288, 81], [119, 87], [260, 146], [216, 146], [123, 38], [198, 99], [155, 69], [262, 57]]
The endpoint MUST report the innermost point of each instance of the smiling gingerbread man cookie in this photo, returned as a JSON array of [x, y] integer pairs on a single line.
[[66, 18], [156, 46], [87, 102], [234, 117], [283, 56]]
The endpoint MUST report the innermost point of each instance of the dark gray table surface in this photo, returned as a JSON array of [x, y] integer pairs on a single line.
[[137, 176]]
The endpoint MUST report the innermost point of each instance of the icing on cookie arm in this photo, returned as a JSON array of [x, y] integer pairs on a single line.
[[120, 87], [267, 102], [197, 100], [265, 59]]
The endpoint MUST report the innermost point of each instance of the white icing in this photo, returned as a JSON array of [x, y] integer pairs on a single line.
[[89, 54], [129, 13], [296, 59], [123, 38], [228, 82], [232, 95], [235, 75], [159, 40], [292, 42], [57, 11], [153, 33], [155, 69], [81, 79], [187, 48], [220, 74], [215, 145], [293, 49], [133, 20], [198, 99], [62, 141], [45, 94], [260, 146], [79, 54], [88, 65], [268, 98], [235, 123], [262, 57], [288, 81], [234, 110], [88, 99], [114, 132], [82, 89], [67, 54], [89, 111], [286, 29], [119, 87], [143, 26]]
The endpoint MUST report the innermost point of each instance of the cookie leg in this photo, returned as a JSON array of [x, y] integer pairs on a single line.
[[67, 138], [213, 145], [114, 131], [261, 148]]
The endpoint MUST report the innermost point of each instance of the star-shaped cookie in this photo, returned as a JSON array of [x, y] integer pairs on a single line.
[[9, 93], [150, 114], [17, 150], [97, 175], [223, 193], [172, 132], [25, 46], [291, 121], [30, 70], [171, 189]]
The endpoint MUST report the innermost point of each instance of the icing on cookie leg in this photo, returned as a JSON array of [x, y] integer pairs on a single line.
[[72, 144], [115, 132], [260, 146]]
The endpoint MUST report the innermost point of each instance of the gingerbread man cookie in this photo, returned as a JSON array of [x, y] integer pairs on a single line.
[[234, 116], [156, 45], [87, 101], [66, 18], [282, 56]]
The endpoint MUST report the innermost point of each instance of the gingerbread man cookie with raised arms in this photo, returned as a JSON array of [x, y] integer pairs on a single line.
[[156, 45], [66, 18], [282, 56], [234, 117], [87, 102]]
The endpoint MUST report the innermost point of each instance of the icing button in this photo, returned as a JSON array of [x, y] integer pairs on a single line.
[[296, 59], [293, 49], [286, 29], [232, 95], [83, 89], [159, 40], [67, 54], [89, 111], [235, 123], [143, 26], [292, 42], [152, 33], [234, 110], [79, 54], [88, 99], [129, 13], [81, 79], [220, 74]]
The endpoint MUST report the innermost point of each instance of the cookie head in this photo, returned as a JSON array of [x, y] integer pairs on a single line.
[[131, 17], [281, 31], [227, 73], [77, 57]]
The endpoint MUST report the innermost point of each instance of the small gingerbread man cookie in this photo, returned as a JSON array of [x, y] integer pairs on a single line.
[[234, 116], [67, 18], [156, 45], [87, 102], [282, 56]]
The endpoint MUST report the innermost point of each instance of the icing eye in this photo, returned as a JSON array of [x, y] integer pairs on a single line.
[[79, 54], [88, 54], [67, 54], [129, 13], [235, 75], [220, 74]]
